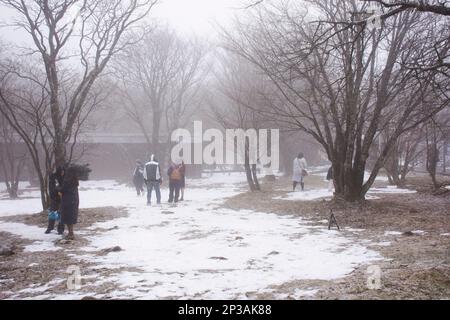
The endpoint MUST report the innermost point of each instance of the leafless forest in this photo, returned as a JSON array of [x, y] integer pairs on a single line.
[[359, 86]]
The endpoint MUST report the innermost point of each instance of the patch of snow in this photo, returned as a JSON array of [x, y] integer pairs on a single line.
[[299, 294], [390, 189], [224, 179], [307, 195], [392, 233], [319, 169], [382, 244], [6, 280], [419, 232], [22, 185], [19, 206], [41, 246], [378, 178], [322, 171], [34, 289], [445, 234], [316, 194], [42, 242], [354, 229]]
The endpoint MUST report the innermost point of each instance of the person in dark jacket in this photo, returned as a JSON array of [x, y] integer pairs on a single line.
[[138, 178], [54, 184], [175, 173], [153, 179], [70, 200]]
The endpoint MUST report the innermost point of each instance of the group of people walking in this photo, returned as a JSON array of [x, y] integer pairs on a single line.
[[149, 174], [64, 201]]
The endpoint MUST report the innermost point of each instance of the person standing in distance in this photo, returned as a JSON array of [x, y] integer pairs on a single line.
[[299, 174], [153, 179]]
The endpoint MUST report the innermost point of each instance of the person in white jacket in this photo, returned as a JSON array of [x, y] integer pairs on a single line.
[[299, 168]]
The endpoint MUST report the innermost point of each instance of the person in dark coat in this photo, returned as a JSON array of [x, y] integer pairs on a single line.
[[138, 178], [175, 174], [70, 200], [55, 183]]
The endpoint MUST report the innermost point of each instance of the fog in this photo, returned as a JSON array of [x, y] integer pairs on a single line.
[[224, 149]]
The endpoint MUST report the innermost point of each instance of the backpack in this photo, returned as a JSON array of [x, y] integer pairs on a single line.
[[176, 174]]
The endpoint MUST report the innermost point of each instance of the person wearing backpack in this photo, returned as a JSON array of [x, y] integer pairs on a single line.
[[175, 173], [153, 179]]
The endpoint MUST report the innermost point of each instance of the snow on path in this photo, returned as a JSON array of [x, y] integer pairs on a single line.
[[199, 250]]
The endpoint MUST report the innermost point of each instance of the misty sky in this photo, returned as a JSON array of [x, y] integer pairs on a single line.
[[197, 16]]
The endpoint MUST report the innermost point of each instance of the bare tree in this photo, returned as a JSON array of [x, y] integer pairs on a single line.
[[404, 153], [440, 7], [12, 159], [97, 28], [236, 96], [345, 89], [160, 79], [25, 106], [434, 137]]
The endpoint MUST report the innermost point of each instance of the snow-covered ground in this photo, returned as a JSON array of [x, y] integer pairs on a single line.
[[324, 193], [199, 249]]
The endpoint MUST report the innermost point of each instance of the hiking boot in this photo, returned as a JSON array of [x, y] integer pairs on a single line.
[[50, 226]]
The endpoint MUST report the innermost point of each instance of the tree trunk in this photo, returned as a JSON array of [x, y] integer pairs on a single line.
[[248, 173], [248, 170], [432, 160], [349, 182], [255, 178]]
